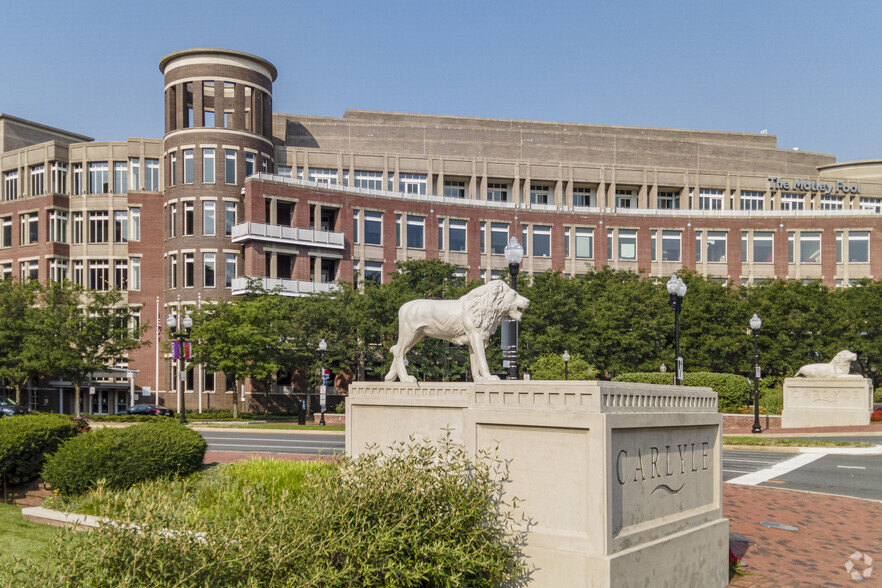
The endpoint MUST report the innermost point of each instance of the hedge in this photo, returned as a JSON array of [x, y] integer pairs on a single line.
[[122, 457], [26, 441], [733, 390]]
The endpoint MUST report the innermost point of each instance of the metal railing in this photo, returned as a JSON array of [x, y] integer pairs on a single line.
[[286, 287], [284, 234]]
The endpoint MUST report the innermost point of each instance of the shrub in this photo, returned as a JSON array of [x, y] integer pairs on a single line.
[[26, 441], [122, 457], [733, 390], [417, 515], [550, 366], [122, 418], [876, 416]]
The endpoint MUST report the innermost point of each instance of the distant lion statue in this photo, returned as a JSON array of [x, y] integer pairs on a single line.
[[470, 320], [839, 367]]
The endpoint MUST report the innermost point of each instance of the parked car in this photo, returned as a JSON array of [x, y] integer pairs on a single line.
[[9, 408], [149, 410]]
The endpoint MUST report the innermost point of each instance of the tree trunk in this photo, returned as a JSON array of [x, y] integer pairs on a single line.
[[236, 400], [77, 399], [18, 394]]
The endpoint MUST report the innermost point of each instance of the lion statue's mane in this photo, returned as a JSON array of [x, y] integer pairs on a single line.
[[838, 367], [470, 320]]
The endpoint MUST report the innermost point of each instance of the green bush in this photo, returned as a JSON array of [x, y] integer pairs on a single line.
[[121, 418], [733, 390], [417, 515], [26, 441], [122, 457], [550, 366]]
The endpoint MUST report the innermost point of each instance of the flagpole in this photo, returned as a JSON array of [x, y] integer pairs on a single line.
[[158, 329]]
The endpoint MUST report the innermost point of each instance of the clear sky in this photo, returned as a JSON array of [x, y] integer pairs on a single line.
[[805, 70]]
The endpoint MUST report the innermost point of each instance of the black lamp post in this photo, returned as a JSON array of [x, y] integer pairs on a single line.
[[514, 254], [566, 359], [755, 324], [677, 290], [323, 346], [181, 335]]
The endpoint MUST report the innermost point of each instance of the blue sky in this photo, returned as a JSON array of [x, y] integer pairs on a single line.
[[807, 71]]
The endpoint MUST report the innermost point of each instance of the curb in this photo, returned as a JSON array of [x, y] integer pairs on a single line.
[[62, 519]]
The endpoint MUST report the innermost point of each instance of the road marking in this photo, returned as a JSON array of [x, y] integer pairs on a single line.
[[777, 470], [736, 471], [852, 467], [750, 461]]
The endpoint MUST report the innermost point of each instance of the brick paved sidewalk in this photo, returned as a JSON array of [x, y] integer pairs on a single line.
[[830, 530]]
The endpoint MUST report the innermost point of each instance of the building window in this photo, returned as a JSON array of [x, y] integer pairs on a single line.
[[189, 270], [59, 177], [188, 166], [584, 243], [373, 272], [858, 247], [120, 177], [5, 270], [327, 177], [838, 246], [497, 192], [792, 201], [751, 200], [135, 174], [98, 227], [6, 231], [763, 247], [871, 204], [716, 246], [583, 196], [98, 178], [30, 270], [151, 178], [627, 244], [743, 246], [653, 243], [810, 247], [481, 232], [416, 232], [121, 274], [58, 226], [11, 185], [99, 275], [78, 179], [566, 242], [58, 269], [136, 223], [173, 271], [38, 180], [77, 222], [229, 217], [671, 241], [208, 166], [499, 238], [524, 241], [135, 273], [208, 217], [710, 199], [249, 164], [30, 228], [541, 241], [440, 234], [173, 220], [283, 170], [373, 227], [791, 238], [120, 226], [189, 218], [625, 199], [539, 194], [207, 380], [229, 269], [412, 183], [368, 179], [454, 189], [831, 202], [355, 220], [265, 165], [78, 273], [229, 166], [668, 200], [173, 169], [456, 235], [208, 269]]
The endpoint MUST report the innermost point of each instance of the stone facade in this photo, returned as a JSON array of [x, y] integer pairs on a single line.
[[827, 402]]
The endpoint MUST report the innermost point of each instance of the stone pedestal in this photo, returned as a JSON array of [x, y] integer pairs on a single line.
[[827, 402], [623, 481]]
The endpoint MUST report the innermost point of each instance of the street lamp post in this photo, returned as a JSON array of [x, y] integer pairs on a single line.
[[755, 324], [514, 254], [677, 290], [323, 346], [181, 335], [566, 359]]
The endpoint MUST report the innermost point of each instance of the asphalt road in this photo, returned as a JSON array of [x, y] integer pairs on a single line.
[[275, 442]]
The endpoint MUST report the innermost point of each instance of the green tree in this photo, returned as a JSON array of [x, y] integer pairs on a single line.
[[82, 332], [550, 366], [20, 352]]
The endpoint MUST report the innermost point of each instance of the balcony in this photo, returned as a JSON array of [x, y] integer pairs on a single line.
[[250, 231], [287, 287]]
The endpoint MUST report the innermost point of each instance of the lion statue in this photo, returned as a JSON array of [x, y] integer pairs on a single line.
[[470, 320], [838, 368]]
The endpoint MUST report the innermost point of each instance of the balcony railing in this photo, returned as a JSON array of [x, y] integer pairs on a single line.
[[287, 287], [251, 231]]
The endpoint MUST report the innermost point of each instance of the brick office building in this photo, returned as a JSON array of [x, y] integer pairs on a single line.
[[235, 190]]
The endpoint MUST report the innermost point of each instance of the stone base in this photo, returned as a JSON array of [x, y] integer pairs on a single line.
[[827, 402]]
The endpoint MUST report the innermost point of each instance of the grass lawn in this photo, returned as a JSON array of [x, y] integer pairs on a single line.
[[22, 538], [774, 442]]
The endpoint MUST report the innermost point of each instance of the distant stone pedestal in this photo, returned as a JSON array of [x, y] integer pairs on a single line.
[[827, 402], [623, 481]]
